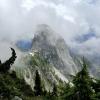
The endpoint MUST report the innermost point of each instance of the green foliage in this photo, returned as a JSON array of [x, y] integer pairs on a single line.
[[84, 87], [4, 67], [11, 86], [96, 86], [37, 87], [37, 60], [67, 93], [83, 90], [54, 92]]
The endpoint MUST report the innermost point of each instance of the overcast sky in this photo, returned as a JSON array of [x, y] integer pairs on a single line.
[[78, 21]]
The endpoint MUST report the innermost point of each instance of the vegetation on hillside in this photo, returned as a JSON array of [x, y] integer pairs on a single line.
[[82, 87]]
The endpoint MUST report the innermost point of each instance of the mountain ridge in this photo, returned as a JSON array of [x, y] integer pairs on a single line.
[[49, 55]]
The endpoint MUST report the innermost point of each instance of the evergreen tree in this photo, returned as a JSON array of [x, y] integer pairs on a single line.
[[54, 92], [96, 87], [68, 92], [37, 87], [4, 67], [82, 82]]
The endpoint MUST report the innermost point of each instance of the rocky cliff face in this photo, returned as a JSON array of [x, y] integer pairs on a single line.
[[50, 56], [54, 49]]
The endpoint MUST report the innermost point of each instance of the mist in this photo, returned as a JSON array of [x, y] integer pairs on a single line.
[[70, 19]]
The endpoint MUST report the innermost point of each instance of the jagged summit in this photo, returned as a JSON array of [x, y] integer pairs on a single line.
[[45, 33], [42, 27], [45, 29], [53, 48], [49, 55]]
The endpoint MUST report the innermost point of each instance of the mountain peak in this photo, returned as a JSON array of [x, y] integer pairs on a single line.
[[43, 27], [44, 33], [54, 49], [49, 55]]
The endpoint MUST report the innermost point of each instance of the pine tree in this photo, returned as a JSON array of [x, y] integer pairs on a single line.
[[37, 87], [68, 92], [54, 92], [4, 67], [82, 82], [96, 87]]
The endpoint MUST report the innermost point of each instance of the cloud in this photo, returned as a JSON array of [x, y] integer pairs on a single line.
[[70, 19], [85, 37]]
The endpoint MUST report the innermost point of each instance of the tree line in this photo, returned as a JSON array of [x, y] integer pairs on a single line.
[[83, 87]]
